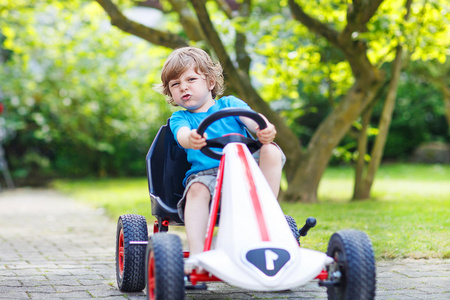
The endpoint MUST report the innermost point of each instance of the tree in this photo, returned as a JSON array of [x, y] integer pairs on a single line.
[[363, 182], [351, 29]]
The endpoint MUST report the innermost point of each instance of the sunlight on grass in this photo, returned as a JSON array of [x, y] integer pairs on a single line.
[[116, 196], [408, 215]]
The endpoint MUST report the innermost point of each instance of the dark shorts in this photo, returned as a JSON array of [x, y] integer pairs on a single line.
[[207, 178]]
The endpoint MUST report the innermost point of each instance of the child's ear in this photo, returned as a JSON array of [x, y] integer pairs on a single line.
[[212, 84]]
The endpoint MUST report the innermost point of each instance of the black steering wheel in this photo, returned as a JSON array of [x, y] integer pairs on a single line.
[[220, 142]]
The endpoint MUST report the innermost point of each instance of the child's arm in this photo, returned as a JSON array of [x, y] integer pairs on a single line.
[[265, 136], [190, 139]]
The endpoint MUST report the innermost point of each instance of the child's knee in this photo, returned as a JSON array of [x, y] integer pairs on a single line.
[[198, 192], [271, 152]]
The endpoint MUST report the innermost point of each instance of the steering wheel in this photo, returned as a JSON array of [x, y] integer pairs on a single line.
[[220, 142]]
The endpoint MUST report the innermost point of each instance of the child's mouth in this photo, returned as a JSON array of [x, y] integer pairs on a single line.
[[186, 97]]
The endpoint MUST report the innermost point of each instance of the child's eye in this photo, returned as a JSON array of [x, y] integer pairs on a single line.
[[174, 84], [192, 79]]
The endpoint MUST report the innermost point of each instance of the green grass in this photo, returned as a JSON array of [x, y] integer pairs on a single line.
[[408, 215], [116, 196]]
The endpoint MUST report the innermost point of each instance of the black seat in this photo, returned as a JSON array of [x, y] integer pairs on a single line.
[[166, 168]]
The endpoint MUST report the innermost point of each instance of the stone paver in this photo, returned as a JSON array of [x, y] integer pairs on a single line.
[[52, 247]]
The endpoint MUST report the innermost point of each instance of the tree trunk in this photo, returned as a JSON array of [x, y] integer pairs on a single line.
[[305, 182], [330, 132], [383, 129], [363, 186], [362, 151]]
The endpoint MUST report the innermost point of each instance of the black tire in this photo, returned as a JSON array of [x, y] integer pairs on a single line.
[[354, 266], [293, 225], [130, 258], [165, 267]]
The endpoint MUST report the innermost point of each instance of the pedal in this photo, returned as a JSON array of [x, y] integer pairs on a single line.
[[310, 223]]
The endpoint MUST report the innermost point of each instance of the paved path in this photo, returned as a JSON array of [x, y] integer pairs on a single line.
[[52, 247]]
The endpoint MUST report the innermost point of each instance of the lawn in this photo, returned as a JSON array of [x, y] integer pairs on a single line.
[[408, 215]]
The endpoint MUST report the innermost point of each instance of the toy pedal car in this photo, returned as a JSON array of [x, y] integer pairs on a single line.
[[255, 247]]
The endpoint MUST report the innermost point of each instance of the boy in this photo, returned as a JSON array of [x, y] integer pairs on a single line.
[[191, 79]]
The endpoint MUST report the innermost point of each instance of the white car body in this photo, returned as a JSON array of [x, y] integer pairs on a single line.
[[255, 248]]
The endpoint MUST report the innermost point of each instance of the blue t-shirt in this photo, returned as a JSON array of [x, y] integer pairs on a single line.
[[184, 118]]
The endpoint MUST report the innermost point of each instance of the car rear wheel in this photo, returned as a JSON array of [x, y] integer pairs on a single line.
[[131, 238]]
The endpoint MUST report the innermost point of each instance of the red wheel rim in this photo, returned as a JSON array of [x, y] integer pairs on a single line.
[[151, 276], [121, 252]]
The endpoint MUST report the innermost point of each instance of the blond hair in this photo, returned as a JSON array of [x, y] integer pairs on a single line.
[[182, 59]]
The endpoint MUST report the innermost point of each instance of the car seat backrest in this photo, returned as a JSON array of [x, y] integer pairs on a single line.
[[166, 167]]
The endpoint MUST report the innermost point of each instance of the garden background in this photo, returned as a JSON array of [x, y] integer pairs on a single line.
[[358, 91]]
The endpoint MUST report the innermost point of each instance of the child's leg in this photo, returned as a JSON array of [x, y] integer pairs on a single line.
[[270, 163], [196, 214]]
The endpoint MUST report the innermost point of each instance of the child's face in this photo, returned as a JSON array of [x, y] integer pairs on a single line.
[[192, 91]]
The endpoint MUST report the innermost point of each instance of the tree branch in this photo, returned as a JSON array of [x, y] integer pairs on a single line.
[[151, 35], [355, 51], [188, 20], [242, 56], [232, 10], [314, 25], [226, 8], [149, 3], [213, 38], [358, 14]]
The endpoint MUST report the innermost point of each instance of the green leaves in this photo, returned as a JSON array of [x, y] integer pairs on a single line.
[[79, 85], [83, 89]]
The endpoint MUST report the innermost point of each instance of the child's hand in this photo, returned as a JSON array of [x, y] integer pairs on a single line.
[[267, 135], [196, 141]]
